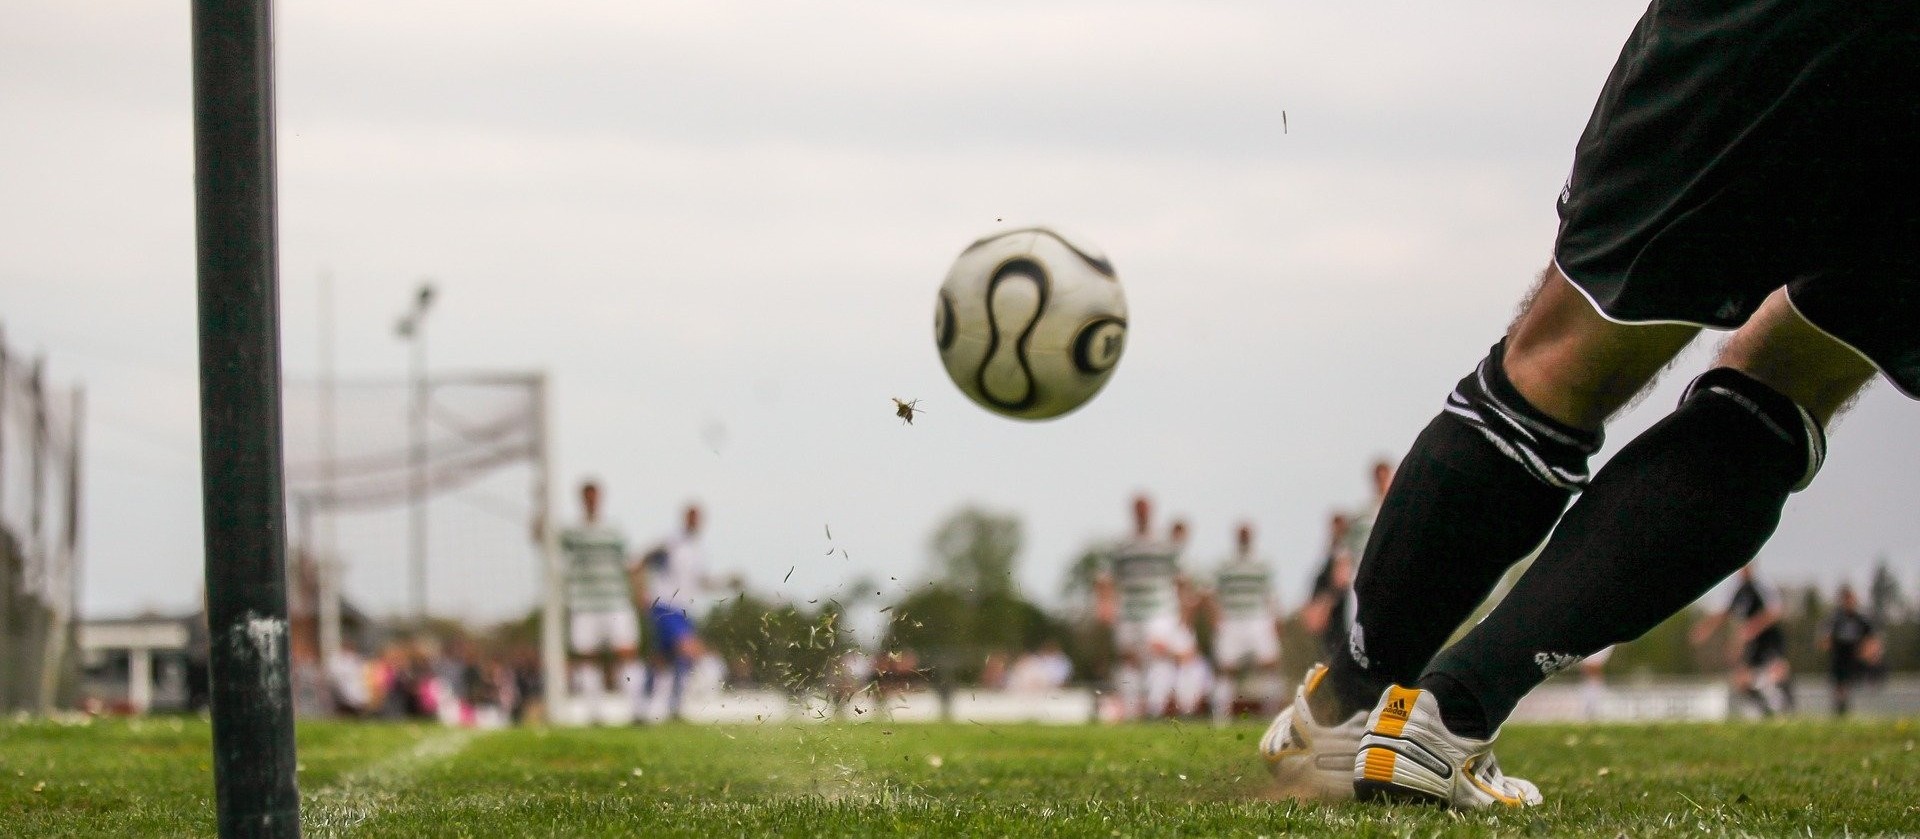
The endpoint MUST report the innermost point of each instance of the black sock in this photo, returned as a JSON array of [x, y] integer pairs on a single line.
[[1479, 490], [1460, 710], [1676, 511]]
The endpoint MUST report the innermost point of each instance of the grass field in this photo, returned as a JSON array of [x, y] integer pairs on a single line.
[[152, 778]]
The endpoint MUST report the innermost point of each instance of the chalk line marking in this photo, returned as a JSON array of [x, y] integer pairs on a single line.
[[360, 795]]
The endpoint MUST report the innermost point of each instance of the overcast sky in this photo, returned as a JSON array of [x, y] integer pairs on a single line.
[[719, 227]]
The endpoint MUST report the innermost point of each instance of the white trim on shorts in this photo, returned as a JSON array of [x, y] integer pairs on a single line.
[[1787, 292]]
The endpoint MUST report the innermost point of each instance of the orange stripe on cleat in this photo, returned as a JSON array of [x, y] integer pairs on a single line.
[[1313, 679], [1499, 796], [1379, 765], [1393, 716]]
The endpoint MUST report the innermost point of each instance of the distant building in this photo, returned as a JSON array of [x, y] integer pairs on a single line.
[[142, 664]]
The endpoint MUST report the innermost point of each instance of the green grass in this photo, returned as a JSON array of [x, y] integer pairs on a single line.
[[120, 778]]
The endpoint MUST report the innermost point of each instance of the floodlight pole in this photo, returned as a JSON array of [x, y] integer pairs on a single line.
[[553, 651], [413, 329], [329, 544], [241, 470]]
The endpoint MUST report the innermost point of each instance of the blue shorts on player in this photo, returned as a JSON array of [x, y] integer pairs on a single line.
[[670, 626]]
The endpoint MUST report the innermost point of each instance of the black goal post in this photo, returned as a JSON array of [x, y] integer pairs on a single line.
[[240, 456]]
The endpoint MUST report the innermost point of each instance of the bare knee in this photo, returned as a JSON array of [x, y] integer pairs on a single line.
[[1785, 352], [1577, 366]]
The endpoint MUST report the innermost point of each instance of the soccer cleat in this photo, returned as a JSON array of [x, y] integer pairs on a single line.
[[1407, 754], [1310, 760]]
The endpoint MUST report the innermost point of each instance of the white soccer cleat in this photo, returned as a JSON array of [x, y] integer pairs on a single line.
[[1310, 760], [1407, 754]]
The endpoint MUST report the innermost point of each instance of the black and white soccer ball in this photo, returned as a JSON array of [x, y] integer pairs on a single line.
[[1030, 323]]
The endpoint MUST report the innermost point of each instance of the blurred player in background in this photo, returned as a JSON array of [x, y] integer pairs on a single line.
[[1760, 669], [1329, 605], [1139, 591], [675, 575], [1360, 521], [1187, 673], [1749, 165], [1246, 635], [1593, 682], [1852, 645], [600, 601]]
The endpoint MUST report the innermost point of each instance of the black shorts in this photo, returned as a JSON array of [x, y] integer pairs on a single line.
[[1744, 145], [1764, 650], [1847, 670]]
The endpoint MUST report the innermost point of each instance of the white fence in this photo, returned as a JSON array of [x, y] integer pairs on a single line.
[[1071, 706], [1556, 702]]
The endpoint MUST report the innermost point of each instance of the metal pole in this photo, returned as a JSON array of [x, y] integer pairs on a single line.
[[75, 494], [42, 570], [553, 654], [241, 469], [329, 553], [417, 490]]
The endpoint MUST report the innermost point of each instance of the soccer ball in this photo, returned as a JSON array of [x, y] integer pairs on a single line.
[[1030, 322]]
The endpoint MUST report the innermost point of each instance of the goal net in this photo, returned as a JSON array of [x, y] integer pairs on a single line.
[[39, 537], [415, 500]]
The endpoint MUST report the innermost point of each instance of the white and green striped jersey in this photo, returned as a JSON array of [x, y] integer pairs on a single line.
[[1359, 530], [1244, 588], [1146, 575], [596, 565]]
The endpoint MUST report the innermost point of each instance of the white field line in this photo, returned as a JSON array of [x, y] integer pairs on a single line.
[[365, 792]]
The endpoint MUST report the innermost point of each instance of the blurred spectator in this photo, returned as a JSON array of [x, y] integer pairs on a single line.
[[896, 673], [347, 680], [740, 674], [993, 671], [1044, 669]]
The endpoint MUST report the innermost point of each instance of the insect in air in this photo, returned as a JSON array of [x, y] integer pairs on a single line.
[[906, 410]]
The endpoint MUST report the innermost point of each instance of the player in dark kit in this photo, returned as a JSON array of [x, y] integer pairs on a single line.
[[1760, 669], [1749, 165], [1853, 647]]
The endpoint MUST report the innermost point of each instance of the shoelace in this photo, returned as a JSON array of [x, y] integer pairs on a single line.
[[1489, 771]]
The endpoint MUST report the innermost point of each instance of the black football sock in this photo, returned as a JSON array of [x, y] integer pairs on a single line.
[[1478, 491], [1681, 507]]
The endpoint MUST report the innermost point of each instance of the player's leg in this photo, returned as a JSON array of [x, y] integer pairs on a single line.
[[1265, 672], [1842, 676], [687, 650], [631, 675], [1162, 665], [583, 647], [1485, 482], [1780, 682], [1680, 508], [1129, 682], [1230, 654], [1272, 685], [1193, 677], [1161, 674], [1593, 682], [1226, 689], [1129, 672], [669, 630], [1745, 687]]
